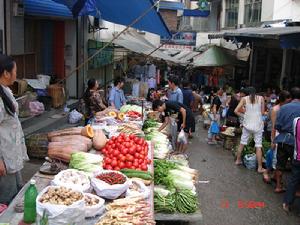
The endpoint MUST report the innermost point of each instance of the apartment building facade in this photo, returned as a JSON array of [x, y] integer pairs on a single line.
[[274, 59], [253, 13]]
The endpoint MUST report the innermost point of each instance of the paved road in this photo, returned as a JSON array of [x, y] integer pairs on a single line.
[[229, 184]]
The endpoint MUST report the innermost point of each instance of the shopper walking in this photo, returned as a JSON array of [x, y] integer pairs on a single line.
[[187, 93], [117, 97], [175, 93], [285, 139], [12, 145], [294, 180], [186, 120], [215, 116], [252, 124], [197, 100], [283, 98]]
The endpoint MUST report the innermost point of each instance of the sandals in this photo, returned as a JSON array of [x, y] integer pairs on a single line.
[[266, 179], [238, 163], [286, 208], [261, 171]]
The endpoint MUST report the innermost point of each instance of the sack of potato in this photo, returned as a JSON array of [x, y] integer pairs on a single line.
[[62, 205]]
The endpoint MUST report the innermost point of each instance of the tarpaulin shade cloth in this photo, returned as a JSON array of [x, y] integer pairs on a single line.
[[122, 12], [214, 56]]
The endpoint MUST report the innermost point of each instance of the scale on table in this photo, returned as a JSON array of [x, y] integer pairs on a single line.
[[52, 167]]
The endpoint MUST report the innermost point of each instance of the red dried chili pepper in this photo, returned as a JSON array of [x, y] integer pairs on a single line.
[[112, 178]]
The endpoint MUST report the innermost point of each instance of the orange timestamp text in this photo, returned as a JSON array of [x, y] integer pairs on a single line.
[[243, 204]]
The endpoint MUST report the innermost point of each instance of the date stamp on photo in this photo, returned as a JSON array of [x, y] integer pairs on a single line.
[[242, 204]]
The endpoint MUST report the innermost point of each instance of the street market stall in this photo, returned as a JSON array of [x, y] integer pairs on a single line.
[[127, 178]]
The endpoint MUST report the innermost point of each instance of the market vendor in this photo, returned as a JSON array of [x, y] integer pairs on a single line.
[[93, 99], [186, 120], [116, 96], [12, 145]]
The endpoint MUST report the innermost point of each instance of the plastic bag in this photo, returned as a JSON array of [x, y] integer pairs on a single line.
[[75, 116], [250, 161], [61, 214], [94, 210], [214, 128], [106, 190], [181, 137], [224, 112], [269, 158], [143, 191], [36, 108], [173, 128], [65, 178]]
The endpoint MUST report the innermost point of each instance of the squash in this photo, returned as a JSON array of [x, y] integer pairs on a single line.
[[113, 114], [61, 153], [79, 138], [77, 145], [63, 150], [87, 131], [99, 139], [68, 131], [121, 116]]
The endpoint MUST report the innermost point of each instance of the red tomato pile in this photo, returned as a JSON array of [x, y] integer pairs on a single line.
[[133, 114], [124, 151]]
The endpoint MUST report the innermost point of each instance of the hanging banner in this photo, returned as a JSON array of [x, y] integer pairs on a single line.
[[181, 38]]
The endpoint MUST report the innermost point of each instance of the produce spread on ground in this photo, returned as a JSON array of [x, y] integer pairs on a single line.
[[120, 168]]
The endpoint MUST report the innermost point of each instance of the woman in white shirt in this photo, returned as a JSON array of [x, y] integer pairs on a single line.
[[252, 124]]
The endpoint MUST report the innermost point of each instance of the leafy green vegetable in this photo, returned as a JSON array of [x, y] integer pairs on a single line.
[[164, 204], [86, 162], [186, 201], [150, 123], [183, 201], [161, 172]]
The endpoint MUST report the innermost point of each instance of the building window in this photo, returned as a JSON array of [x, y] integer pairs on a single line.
[[231, 13], [252, 11]]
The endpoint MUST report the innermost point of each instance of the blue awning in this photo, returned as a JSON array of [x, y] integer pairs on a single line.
[[122, 12], [46, 8], [196, 13], [171, 5]]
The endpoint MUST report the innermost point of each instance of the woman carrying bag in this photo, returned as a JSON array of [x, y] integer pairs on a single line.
[[252, 124]]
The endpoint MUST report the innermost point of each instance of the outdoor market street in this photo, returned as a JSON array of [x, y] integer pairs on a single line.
[[227, 184], [230, 183]]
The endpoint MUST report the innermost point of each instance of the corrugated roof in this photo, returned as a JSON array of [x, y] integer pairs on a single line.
[[138, 44], [266, 33]]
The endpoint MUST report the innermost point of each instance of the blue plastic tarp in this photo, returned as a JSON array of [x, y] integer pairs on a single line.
[[46, 8], [122, 12], [196, 13], [171, 5]]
